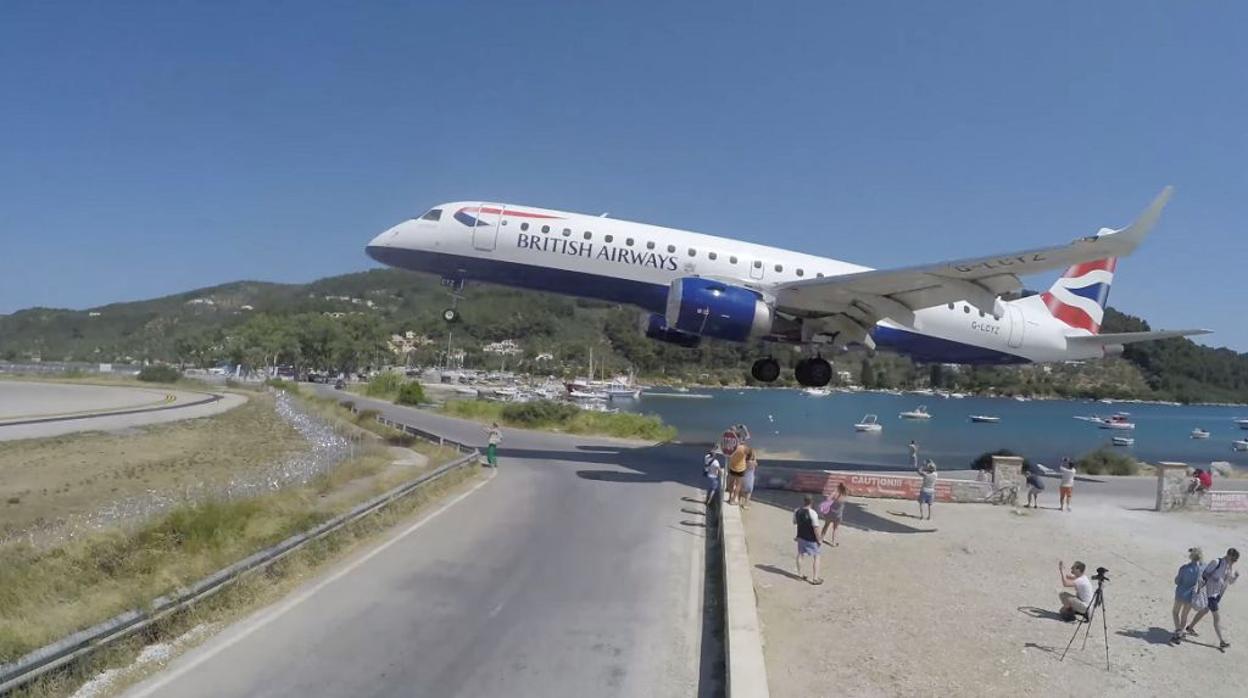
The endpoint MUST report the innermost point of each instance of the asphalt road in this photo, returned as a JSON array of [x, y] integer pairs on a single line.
[[576, 571]]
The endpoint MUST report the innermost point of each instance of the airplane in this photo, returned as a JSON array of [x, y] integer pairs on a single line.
[[692, 286]]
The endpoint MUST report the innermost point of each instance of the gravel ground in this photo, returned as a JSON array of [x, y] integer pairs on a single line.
[[965, 604]]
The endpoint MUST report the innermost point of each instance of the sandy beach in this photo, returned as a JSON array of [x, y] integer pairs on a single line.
[[965, 604]]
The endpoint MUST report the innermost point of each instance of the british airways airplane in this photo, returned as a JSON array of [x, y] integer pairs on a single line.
[[693, 286]]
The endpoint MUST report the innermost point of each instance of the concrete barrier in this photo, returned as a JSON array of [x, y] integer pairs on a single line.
[[743, 637], [869, 484]]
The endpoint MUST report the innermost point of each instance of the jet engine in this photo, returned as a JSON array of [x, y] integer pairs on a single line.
[[654, 326], [710, 308]]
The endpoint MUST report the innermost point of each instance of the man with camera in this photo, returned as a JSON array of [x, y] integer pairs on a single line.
[[1078, 580]]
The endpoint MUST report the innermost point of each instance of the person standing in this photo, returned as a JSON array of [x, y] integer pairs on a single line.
[[494, 438], [807, 522], [914, 455], [1216, 578], [713, 467], [1067, 470], [834, 509], [1185, 583], [747, 480], [736, 471], [1077, 602], [1034, 486], [927, 488]]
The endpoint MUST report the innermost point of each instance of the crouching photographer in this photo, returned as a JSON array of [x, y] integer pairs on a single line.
[[1077, 580]]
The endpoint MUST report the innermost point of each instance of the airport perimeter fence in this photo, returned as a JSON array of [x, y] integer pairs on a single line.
[[66, 650]]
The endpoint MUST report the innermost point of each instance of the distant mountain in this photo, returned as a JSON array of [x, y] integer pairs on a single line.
[[197, 323]]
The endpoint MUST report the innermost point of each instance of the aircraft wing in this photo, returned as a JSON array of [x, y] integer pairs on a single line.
[[1113, 338], [853, 303]]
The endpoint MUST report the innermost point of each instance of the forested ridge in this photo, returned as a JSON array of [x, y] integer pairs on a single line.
[[345, 322]]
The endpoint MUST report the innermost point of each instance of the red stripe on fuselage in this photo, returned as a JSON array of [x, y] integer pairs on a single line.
[[1069, 314], [518, 214]]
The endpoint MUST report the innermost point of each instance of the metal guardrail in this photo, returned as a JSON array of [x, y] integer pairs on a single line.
[[62, 652]]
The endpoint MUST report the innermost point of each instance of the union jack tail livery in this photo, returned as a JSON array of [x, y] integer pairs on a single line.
[[1078, 297]]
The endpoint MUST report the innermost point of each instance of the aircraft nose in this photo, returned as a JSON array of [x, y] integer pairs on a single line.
[[380, 247]]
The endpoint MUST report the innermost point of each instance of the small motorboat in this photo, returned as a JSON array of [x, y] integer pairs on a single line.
[[870, 423], [1116, 421], [1242, 423], [918, 413], [984, 419], [1199, 433], [1123, 441], [817, 392], [625, 391], [1239, 445]]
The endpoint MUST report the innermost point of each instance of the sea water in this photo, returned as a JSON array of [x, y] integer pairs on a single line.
[[794, 424]]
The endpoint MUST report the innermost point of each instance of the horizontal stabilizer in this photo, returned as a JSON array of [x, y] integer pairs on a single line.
[[1113, 338]]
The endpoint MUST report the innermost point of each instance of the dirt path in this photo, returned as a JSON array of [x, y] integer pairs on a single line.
[[964, 605]]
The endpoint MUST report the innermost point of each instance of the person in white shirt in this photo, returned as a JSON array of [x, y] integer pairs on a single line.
[[1217, 576], [494, 436], [927, 489], [713, 468], [1067, 488], [1077, 602]]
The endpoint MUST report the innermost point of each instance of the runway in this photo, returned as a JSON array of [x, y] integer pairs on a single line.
[[577, 570], [31, 409]]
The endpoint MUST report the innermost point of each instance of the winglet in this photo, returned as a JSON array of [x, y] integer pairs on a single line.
[[1132, 235]]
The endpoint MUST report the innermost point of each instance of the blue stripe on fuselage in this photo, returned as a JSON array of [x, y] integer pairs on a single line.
[[652, 297], [928, 349]]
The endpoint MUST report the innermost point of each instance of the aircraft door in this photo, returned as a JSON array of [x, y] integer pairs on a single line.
[[1018, 325], [756, 269], [485, 231]]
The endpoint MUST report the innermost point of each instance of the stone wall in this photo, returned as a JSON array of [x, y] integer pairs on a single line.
[[1172, 483]]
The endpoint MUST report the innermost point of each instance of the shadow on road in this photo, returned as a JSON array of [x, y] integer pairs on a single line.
[[1043, 613], [780, 571], [1153, 636]]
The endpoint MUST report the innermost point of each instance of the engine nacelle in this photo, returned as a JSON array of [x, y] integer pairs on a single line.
[[654, 326], [714, 309]]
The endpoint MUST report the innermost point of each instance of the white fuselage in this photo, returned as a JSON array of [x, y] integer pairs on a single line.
[[635, 263]]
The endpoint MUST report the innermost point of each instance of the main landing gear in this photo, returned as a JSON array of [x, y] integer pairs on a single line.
[[765, 370], [810, 373], [813, 373]]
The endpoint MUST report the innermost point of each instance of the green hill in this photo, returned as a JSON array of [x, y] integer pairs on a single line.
[[345, 322]]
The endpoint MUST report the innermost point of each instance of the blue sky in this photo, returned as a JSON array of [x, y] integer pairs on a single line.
[[151, 148]]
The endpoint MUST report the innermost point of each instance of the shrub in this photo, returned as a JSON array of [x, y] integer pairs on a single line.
[[411, 393], [366, 416], [1104, 461], [984, 461], [348, 405], [157, 373], [539, 412], [383, 385]]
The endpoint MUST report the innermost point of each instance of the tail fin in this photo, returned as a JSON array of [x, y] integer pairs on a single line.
[[1078, 297]]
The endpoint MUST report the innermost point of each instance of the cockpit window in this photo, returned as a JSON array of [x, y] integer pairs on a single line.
[[434, 214]]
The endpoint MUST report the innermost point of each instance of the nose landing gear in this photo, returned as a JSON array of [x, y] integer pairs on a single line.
[[454, 286]]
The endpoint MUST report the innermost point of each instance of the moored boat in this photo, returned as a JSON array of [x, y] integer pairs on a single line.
[[869, 422], [1239, 445], [984, 419], [1123, 441], [918, 413], [1199, 433]]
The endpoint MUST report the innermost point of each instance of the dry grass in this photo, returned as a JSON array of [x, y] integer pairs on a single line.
[[45, 480], [249, 593]]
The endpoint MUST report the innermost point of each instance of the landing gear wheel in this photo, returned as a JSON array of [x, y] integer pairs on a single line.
[[450, 315], [765, 370], [813, 373]]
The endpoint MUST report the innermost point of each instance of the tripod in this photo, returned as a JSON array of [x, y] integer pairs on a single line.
[[1085, 623]]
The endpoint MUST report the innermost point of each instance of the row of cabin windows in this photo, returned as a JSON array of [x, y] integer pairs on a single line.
[[967, 309], [671, 249]]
